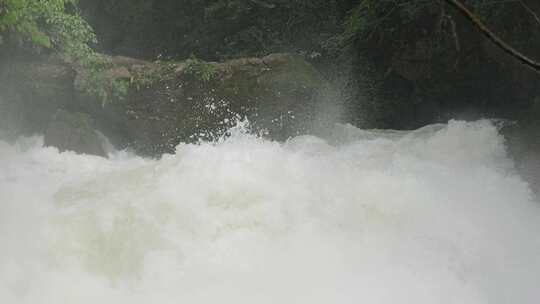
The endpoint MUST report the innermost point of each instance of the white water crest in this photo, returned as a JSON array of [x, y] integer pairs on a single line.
[[436, 215]]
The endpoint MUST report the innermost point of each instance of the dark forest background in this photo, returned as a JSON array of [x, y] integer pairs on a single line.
[[400, 64], [397, 64]]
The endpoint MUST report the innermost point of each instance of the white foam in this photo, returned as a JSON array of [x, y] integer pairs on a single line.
[[432, 216]]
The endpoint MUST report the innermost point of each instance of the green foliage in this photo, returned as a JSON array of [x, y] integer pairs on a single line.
[[204, 71], [96, 83], [21, 16], [57, 25], [369, 16], [265, 26], [388, 16], [213, 29], [46, 23], [160, 72]]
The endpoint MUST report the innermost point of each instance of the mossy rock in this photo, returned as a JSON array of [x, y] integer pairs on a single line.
[[167, 102], [278, 94]]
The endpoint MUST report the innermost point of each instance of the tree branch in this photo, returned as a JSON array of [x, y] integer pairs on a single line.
[[532, 64], [530, 10]]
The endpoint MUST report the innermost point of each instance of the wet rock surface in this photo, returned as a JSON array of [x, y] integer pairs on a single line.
[[73, 132], [169, 102]]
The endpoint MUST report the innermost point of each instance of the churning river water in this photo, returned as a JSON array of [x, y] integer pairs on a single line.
[[436, 215]]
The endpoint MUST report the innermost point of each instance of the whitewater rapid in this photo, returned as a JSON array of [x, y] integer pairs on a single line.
[[436, 215]]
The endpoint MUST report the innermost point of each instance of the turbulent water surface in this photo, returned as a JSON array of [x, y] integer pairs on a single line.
[[432, 216]]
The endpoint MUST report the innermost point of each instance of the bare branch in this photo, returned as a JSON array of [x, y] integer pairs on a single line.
[[534, 65], [530, 10], [454, 33]]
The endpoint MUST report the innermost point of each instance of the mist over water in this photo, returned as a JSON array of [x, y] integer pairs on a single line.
[[437, 215]]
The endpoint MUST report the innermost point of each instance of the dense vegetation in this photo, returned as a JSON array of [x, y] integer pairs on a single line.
[[56, 27], [398, 63]]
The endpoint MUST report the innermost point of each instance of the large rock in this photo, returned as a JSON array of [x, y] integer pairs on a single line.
[[170, 102], [32, 92]]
